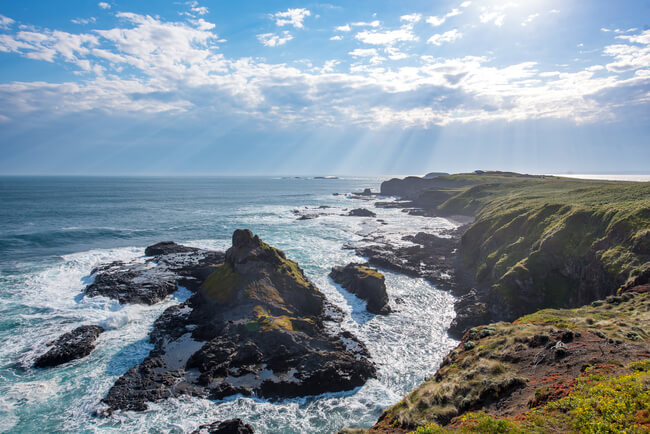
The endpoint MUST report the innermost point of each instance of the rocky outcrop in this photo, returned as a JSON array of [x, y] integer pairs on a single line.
[[255, 326], [537, 242], [366, 283], [230, 426], [154, 279], [73, 345], [505, 369], [429, 256], [167, 248], [361, 212]]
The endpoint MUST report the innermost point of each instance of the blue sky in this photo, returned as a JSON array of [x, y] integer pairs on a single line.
[[357, 87]]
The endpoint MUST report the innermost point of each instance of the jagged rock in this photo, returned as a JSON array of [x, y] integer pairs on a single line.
[[152, 281], [255, 326], [73, 345], [166, 248], [230, 426], [361, 212], [366, 283], [471, 310]]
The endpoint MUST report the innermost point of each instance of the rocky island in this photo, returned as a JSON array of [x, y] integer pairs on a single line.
[[366, 283], [255, 326]]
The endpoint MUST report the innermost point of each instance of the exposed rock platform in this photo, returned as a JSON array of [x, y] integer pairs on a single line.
[[73, 345]]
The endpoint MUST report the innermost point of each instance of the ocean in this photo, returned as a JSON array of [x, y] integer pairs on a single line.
[[54, 230]]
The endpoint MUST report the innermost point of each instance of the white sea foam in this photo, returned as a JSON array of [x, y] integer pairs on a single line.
[[406, 345]]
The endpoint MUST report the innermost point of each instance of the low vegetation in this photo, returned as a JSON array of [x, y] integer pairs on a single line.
[[544, 241], [578, 370]]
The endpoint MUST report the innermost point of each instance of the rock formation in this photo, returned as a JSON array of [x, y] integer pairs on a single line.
[[255, 326], [361, 212], [73, 345], [230, 426], [366, 283], [150, 282]]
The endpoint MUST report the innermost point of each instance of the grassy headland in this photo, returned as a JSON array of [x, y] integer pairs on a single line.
[[541, 241], [539, 248]]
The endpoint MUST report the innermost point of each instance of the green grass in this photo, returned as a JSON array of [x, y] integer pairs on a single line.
[[598, 403], [222, 284], [476, 371], [538, 234]]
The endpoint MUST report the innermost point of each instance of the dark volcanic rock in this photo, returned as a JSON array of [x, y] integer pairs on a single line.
[[230, 426], [471, 310], [366, 283], [431, 257], [166, 248], [361, 212], [153, 280], [256, 326], [70, 346]]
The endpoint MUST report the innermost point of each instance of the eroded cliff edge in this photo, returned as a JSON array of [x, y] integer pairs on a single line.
[[536, 242]]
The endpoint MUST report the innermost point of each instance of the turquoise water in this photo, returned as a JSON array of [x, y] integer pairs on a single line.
[[53, 231]]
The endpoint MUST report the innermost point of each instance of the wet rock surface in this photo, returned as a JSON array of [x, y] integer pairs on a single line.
[[366, 283], [230, 426], [151, 281], [361, 212], [428, 256], [255, 326], [73, 345]]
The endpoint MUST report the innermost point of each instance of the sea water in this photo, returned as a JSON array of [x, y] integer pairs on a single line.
[[54, 230]]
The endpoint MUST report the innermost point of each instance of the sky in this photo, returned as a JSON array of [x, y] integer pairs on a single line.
[[342, 87]]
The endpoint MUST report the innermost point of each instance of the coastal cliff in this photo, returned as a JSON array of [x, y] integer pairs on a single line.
[[586, 370], [539, 248], [537, 241]]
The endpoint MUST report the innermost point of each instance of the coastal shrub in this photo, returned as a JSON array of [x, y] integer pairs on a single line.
[[609, 404]]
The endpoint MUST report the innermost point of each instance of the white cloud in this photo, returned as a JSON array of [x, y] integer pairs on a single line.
[[196, 9], [411, 18], [273, 40], [388, 37], [293, 17], [329, 66], [441, 38], [363, 52], [438, 21], [5, 22], [496, 18], [348, 27], [466, 4], [336, 38], [630, 57], [83, 21], [104, 5], [529, 19], [174, 67], [374, 23], [202, 24], [606, 30], [370, 53]]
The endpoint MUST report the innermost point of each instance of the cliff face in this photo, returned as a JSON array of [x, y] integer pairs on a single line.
[[553, 371], [541, 242]]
